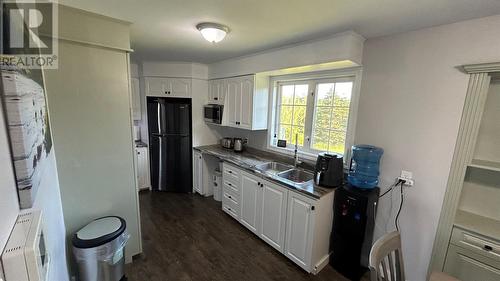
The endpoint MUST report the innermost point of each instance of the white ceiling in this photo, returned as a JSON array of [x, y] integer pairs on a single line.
[[165, 29]]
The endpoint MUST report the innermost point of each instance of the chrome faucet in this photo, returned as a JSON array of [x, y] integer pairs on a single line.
[[296, 160]]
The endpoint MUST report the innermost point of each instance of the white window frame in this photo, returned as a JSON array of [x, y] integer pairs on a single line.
[[313, 77]]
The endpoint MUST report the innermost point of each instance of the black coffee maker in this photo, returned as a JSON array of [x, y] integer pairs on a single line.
[[329, 170]]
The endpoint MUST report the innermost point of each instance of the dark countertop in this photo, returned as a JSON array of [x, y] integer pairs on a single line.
[[251, 157]]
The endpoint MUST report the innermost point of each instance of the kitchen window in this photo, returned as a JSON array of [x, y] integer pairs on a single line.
[[316, 113]]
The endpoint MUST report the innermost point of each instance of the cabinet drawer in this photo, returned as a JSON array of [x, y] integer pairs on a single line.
[[229, 189], [477, 243], [466, 265], [231, 185], [230, 211], [229, 204], [231, 173]]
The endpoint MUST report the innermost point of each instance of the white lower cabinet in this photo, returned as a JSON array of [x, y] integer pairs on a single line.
[[469, 266], [142, 166], [250, 202], [473, 257], [292, 223], [231, 190], [273, 222], [197, 172], [299, 228]]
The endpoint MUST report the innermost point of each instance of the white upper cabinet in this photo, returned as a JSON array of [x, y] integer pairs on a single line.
[[168, 87], [180, 87], [245, 100], [232, 105], [246, 103], [216, 91], [136, 99]]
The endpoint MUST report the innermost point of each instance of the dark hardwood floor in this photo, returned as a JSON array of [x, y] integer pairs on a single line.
[[188, 237]]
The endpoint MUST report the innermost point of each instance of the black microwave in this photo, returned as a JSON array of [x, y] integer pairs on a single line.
[[213, 113]]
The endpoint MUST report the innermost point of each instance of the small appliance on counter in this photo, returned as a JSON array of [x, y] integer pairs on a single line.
[[329, 171], [365, 162], [227, 143], [354, 213], [239, 144]]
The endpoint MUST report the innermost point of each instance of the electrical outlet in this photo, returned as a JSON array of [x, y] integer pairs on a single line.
[[407, 177], [408, 182], [406, 174]]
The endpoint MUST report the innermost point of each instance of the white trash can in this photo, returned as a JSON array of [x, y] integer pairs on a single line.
[[99, 249], [217, 180]]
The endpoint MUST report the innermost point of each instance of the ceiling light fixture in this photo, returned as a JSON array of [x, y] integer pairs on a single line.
[[212, 32]]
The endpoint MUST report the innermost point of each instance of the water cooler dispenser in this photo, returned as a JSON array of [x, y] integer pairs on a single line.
[[352, 234], [355, 209]]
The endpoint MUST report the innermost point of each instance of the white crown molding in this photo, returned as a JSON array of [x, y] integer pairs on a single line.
[[482, 67]]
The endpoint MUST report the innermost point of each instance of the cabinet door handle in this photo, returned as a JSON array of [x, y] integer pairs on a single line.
[[229, 184], [230, 171], [216, 98], [258, 183], [488, 248], [312, 208], [229, 196]]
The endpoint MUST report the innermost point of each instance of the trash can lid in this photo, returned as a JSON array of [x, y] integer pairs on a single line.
[[99, 232]]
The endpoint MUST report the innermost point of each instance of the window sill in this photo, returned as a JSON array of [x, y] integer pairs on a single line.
[[309, 157]]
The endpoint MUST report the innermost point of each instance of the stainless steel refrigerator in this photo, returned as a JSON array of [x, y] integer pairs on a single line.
[[170, 144]]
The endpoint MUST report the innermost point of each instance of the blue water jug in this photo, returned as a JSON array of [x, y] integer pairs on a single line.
[[365, 164]]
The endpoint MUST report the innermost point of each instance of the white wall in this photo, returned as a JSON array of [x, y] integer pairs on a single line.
[[201, 132], [411, 102], [256, 139], [92, 135]]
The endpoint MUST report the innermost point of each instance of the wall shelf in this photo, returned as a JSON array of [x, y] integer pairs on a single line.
[[485, 164], [476, 223]]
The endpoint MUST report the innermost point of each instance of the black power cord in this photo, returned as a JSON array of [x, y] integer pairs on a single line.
[[391, 187], [396, 220]]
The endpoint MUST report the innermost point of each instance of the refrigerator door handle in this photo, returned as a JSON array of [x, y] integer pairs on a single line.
[[159, 118], [160, 164]]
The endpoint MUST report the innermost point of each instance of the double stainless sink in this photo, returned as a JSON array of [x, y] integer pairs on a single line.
[[286, 173]]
